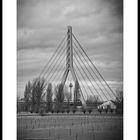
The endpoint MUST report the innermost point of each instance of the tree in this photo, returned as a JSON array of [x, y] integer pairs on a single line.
[[93, 100], [89, 110], [100, 110], [76, 92], [59, 95], [119, 96], [84, 110], [67, 95], [119, 100], [27, 95], [37, 92], [49, 97], [18, 107]]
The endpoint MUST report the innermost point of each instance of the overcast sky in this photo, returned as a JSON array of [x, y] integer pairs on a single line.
[[97, 24]]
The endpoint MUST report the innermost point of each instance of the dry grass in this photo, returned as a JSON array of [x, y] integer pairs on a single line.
[[70, 127]]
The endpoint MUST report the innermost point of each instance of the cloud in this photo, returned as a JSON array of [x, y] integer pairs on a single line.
[[41, 25]]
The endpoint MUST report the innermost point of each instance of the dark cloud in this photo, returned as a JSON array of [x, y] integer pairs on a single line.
[[117, 7]]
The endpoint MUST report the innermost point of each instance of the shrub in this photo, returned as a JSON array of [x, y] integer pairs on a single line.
[[46, 111], [111, 110], [100, 110], [89, 110], [36, 111], [73, 110], [62, 110], [68, 111], [52, 111], [106, 110], [41, 112], [84, 110], [57, 111]]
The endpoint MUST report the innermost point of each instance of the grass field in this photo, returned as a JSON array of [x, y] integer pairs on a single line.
[[70, 127]]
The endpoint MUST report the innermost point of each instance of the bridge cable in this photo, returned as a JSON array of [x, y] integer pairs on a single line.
[[84, 80], [93, 65], [53, 56], [89, 78], [91, 74], [80, 87], [55, 68], [93, 71], [55, 77], [59, 75], [81, 80], [82, 75], [55, 62]]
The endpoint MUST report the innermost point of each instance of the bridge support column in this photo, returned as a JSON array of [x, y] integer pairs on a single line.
[[69, 60]]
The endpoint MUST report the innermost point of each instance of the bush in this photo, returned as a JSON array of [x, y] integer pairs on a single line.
[[62, 110], [57, 111], [106, 110], [100, 110], [89, 111], [119, 111], [73, 110], [68, 111], [41, 112], [111, 110], [46, 111], [84, 110], [52, 111]]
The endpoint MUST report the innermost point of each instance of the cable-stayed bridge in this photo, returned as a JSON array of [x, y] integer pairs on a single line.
[[70, 57]]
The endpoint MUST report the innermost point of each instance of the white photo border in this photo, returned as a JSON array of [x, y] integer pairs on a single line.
[[10, 69]]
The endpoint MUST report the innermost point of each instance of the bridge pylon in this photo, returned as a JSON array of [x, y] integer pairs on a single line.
[[69, 62], [81, 68]]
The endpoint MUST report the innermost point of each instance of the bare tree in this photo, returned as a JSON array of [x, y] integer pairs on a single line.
[[67, 95], [49, 97], [76, 92], [37, 92], [59, 95], [27, 95], [119, 99], [119, 95], [93, 100], [18, 108]]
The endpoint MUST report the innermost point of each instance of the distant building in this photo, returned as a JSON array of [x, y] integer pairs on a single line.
[[21, 104], [108, 105]]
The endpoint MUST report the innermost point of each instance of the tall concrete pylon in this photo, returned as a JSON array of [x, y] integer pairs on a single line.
[[69, 62], [69, 58]]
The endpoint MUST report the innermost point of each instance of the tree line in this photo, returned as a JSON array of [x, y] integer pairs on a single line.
[[36, 90]]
